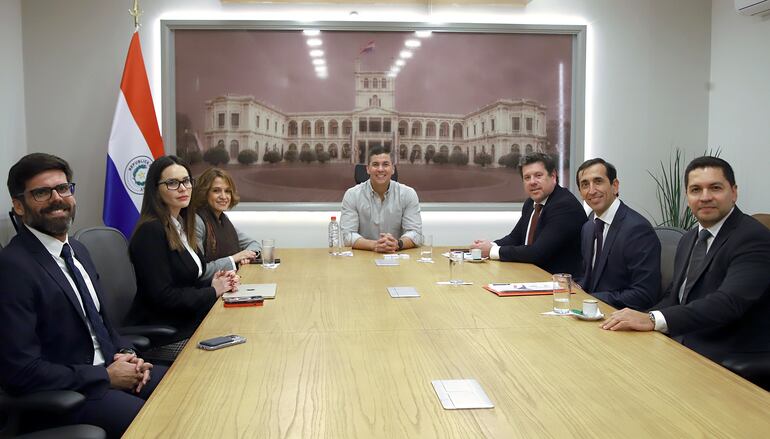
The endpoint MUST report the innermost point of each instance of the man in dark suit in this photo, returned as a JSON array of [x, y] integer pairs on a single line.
[[621, 253], [54, 333], [719, 301], [548, 232]]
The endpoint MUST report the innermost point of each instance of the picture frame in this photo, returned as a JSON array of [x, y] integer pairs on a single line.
[[360, 103]]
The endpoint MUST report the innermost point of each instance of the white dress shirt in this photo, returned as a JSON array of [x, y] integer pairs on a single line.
[[186, 244]]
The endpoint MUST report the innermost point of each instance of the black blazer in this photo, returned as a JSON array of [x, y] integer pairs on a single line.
[[556, 247], [727, 310], [168, 289], [628, 269], [44, 339]]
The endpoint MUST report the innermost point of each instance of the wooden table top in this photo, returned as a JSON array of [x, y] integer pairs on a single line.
[[334, 356]]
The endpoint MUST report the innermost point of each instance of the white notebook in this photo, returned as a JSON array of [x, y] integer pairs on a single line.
[[246, 290]]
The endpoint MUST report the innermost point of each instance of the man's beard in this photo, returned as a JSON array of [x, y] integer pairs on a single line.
[[50, 226]]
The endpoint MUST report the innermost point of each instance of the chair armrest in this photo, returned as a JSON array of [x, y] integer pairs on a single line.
[[78, 431], [753, 367], [148, 330], [52, 401], [140, 342]]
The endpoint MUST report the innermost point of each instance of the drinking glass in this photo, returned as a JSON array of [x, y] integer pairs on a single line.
[[455, 267], [268, 253], [426, 250], [562, 289]]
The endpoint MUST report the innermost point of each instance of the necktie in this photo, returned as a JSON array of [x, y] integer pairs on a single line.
[[533, 223], [696, 260], [599, 237], [598, 241], [97, 324]]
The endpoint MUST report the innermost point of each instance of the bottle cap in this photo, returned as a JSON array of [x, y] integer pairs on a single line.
[[334, 218]]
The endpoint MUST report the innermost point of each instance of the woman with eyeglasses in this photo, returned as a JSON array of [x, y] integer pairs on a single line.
[[163, 250], [224, 247]]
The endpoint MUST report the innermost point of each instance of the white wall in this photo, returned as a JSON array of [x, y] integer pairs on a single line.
[[739, 109], [648, 71], [13, 142]]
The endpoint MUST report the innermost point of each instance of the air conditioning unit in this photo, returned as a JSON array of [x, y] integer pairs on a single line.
[[752, 7]]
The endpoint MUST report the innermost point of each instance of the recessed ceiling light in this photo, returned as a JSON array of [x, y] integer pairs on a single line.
[[320, 69], [412, 43], [311, 32], [405, 54], [391, 75], [400, 62], [423, 33], [319, 62], [395, 69], [315, 53], [314, 42]]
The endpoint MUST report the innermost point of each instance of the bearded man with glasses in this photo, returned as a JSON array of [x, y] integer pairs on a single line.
[[54, 331]]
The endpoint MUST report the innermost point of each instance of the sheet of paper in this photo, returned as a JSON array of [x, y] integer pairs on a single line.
[[461, 394], [397, 292], [386, 262], [446, 282]]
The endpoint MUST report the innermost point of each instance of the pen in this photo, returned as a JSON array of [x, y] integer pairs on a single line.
[[577, 311]]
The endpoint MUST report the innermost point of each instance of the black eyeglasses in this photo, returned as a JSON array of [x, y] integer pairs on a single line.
[[173, 184], [44, 193]]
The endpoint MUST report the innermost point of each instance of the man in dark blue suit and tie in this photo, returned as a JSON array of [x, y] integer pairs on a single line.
[[621, 253], [548, 232], [719, 300], [54, 333]]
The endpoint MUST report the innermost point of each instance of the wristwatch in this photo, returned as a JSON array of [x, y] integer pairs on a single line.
[[127, 351], [652, 319], [400, 244]]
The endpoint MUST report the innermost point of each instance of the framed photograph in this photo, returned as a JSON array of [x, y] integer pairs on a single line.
[[291, 109]]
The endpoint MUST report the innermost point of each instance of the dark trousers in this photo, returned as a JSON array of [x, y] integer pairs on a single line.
[[117, 408]]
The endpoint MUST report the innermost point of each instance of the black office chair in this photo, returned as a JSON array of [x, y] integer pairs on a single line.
[[755, 367], [14, 220], [109, 251], [669, 239], [55, 402], [360, 175]]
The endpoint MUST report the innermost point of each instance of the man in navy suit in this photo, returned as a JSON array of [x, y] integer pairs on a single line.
[[54, 333], [719, 300], [621, 253], [548, 232]]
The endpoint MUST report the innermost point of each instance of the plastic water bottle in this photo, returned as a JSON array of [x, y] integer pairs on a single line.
[[335, 246]]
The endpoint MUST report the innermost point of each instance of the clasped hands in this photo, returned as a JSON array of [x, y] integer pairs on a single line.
[[386, 244], [129, 372], [224, 281]]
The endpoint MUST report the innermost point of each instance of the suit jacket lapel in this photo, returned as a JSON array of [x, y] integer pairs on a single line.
[[601, 259], [45, 260]]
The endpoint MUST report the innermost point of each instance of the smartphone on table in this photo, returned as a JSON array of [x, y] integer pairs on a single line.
[[212, 344]]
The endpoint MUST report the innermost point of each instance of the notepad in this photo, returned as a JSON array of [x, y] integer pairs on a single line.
[[461, 394], [245, 290], [386, 262], [398, 292]]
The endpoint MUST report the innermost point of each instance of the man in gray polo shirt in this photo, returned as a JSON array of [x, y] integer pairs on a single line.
[[381, 215]]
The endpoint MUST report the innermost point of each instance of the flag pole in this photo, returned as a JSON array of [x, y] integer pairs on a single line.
[[136, 13]]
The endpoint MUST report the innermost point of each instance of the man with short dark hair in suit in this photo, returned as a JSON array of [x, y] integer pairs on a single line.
[[621, 253], [719, 300], [548, 232], [54, 333]]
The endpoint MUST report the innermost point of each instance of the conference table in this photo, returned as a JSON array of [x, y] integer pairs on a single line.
[[334, 356]]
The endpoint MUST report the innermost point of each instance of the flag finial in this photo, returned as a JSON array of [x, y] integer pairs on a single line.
[[136, 13]]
